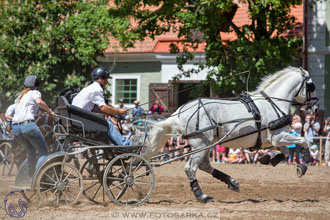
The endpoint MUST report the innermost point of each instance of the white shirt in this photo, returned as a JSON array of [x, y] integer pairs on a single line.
[[298, 131], [234, 152], [90, 96], [10, 110], [315, 154], [27, 108]]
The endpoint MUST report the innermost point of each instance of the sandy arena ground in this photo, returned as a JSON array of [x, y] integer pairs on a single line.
[[265, 193]]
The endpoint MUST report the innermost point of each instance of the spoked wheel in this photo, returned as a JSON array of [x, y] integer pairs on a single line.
[[128, 179], [59, 183], [7, 159], [92, 172]]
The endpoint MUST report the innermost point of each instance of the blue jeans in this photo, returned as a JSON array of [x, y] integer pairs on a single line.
[[28, 135], [115, 137]]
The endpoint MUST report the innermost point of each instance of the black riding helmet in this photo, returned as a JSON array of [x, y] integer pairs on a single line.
[[100, 72], [31, 82]]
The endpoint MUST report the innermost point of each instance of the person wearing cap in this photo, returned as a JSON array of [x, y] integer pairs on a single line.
[[25, 130], [91, 98], [315, 154], [121, 103], [137, 110]]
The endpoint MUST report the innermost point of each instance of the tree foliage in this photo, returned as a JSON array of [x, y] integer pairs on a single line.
[[259, 46], [58, 41]]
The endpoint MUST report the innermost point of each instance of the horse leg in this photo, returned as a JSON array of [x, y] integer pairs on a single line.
[[207, 167], [201, 160], [280, 139], [190, 169]]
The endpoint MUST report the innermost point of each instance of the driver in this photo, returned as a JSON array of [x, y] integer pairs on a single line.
[[91, 98]]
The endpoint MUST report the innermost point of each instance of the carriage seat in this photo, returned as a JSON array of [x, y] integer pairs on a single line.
[[92, 122]]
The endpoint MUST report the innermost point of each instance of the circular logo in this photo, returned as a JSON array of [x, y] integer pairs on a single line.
[[15, 204]]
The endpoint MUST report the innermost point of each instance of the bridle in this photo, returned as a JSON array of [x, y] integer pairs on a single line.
[[310, 88]]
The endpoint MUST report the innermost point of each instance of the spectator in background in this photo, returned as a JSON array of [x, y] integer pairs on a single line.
[[172, 145], [291, 147], [251, 154], [235, 155], [143, 116], [137, 111], [296, 127], [326, 131], [165, 148], [311, 128], [181, 142], [156, 108], [319, 117], [315, 155], [121, 106], [221, 153], [302, 116], [127, 127]]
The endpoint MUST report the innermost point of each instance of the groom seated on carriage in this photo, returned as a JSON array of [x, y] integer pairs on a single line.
[[91, 98]]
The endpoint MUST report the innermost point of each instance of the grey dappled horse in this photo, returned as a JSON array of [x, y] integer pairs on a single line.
[[205, 121]]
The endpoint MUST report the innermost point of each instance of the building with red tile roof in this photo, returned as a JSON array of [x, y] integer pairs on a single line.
[[149, 67]]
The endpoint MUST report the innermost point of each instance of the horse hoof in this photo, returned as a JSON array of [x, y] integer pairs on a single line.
[[277, 159], [301, 170], [265, 160], [206, 199], [233, 185]]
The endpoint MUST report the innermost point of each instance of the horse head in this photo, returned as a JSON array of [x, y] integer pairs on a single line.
[[306, 91]]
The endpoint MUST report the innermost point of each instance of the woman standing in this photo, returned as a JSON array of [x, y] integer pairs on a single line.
[[25, 130]]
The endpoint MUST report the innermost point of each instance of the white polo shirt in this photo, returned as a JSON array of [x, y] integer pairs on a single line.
[[10, 110], [90, 96], [27, 108]]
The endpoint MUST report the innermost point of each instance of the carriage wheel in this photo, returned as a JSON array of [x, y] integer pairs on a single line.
[[128, 179], [59, 183], [7, 158], [93, 182]]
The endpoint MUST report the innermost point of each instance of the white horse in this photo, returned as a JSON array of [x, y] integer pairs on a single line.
[[207, 122]]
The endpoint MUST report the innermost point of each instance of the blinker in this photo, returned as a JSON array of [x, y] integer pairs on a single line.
[[310, 87]]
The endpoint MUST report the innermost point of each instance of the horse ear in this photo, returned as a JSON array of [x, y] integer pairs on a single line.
[[303, 71]]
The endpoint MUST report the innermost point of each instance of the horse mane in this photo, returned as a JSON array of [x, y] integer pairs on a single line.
[[269, 79]]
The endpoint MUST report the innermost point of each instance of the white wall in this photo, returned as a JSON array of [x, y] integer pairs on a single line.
[[170, 67], [317, 48]]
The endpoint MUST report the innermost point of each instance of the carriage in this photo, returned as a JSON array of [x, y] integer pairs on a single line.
[[107, 170], [125, 173]]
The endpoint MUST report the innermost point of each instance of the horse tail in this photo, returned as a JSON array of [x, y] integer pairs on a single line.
[[158, 136]]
